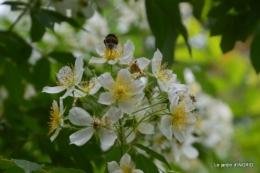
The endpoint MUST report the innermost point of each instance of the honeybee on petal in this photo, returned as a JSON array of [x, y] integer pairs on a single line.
[[111, 41]]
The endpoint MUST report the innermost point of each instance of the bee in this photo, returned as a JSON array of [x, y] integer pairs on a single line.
[[111, 41]]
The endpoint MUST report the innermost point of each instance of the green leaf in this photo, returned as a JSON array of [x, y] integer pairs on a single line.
[[63, 57], [255, 52], [228, 40], [12, 3], [153, 154], [221, 25], [27, 166], [13, 82], [13, 46], [198, 8], [114, 154], [145, 164], [66, 170], [220, 9], [5, 163], [37, 29], [165, 34], [165, 22], [14, 169], [48, 18], [41, 74]]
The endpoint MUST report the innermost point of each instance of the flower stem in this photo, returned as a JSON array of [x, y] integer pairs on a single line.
[[121, 138], [18, 19]]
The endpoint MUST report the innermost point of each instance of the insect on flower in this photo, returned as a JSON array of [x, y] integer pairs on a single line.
[[111, 41]]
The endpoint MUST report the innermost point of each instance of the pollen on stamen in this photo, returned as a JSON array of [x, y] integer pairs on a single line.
[[122, 90], [111, 54], [180, 118], [66, 76], [127, 168], [96, 123], [55, 119]]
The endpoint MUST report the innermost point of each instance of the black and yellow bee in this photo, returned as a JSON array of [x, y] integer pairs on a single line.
[[111, 41]]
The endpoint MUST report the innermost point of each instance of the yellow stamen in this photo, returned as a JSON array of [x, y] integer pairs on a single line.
[[96, 123], [55, 119], [180, 117], [111, 54], [122, 89], [67, 79], [127, 168]]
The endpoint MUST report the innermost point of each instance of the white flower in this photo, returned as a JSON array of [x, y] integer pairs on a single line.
[[56, 117], [67, 78], [142, 126], [124, 90], [87, 87], [120, 54], [137, 66], [104, 126], [125, 166], [181, 117], [165, 78]]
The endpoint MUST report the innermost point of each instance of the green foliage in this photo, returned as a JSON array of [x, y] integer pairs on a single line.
[[153, 154], [145, 164], [27, 166], [255, 52], [165, 22]]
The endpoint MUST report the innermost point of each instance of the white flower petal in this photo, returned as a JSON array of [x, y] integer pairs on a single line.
[[118, 171], [53, 90], [96, 87], [77, 93], [137, 98], [68, 92], [156, 62], [106, 98], [125, 160], [143, 62], [101, 49], [178, 134], [138, 86], [173, 97], [126, 106], [126, 57], [80, 137], [61, 111], [79, 70], [166, 132], [129, 46], [163, 86], [112, 62], [138, 171], [97, 60], [88, 11], [145, 128], [112, 166], [55, 134], [166, 121], [130, 135], [79, 116], [106, 138], [106, 80], [124, 74], [190, 152], [114, 114]]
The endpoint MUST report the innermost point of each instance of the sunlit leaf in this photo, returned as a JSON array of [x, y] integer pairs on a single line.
[[27, 166]]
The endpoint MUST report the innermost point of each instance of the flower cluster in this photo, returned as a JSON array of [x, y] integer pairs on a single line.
[[126, 100]]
